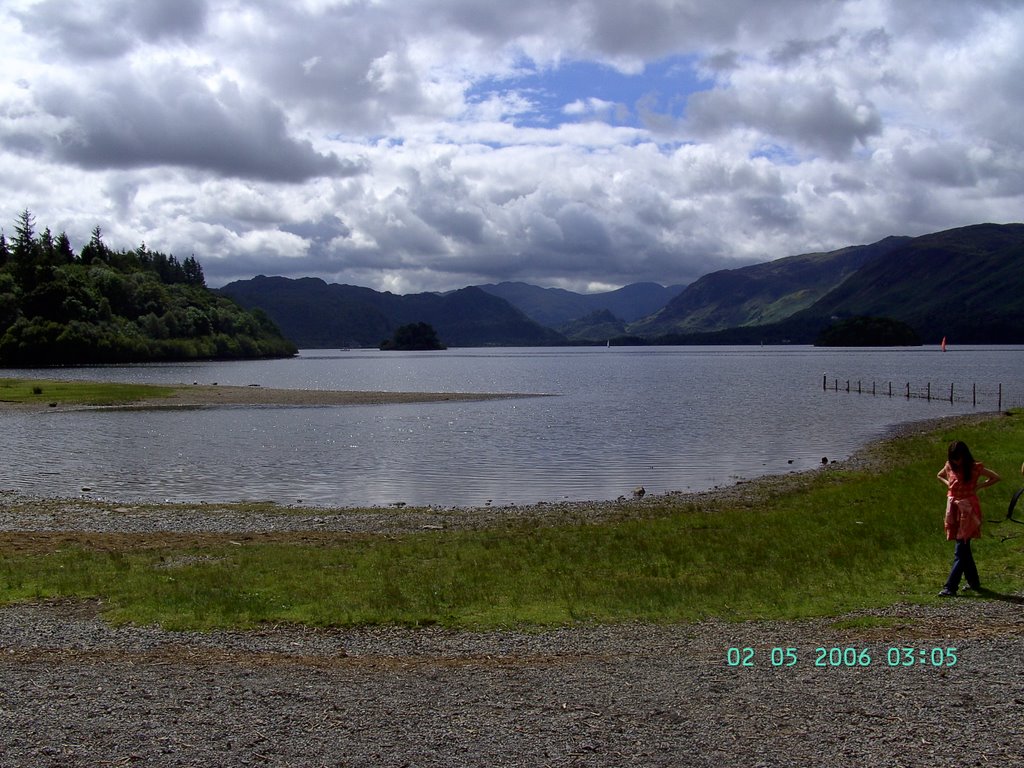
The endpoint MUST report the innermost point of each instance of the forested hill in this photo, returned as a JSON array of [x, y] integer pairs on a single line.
[[101, 305]]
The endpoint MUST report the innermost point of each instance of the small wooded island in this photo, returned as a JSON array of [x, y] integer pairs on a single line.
[[101, 305], [414, 337], [868, 332]]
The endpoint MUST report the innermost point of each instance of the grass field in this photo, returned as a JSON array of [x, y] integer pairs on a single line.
[[842, 540], [27, 391]]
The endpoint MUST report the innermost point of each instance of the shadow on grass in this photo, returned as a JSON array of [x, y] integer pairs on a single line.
[[992, 595]]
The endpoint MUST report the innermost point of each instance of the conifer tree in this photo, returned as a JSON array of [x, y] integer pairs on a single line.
[[193, 271], [25, 251], [63, 252], [95, 250]]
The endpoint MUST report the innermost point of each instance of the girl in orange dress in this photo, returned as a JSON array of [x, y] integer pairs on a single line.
[[963, 476]]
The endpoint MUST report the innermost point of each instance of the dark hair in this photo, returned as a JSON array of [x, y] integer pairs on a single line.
[[961, 460]]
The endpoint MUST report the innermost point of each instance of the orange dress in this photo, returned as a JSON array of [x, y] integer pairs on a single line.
[[963, 510]]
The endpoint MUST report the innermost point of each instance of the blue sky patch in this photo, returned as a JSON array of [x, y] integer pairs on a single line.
[[579, 91]]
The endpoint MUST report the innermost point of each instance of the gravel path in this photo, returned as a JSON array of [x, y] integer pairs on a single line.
[[78, 692]]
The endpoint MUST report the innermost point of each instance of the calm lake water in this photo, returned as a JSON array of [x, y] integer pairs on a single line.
[[666, 418]]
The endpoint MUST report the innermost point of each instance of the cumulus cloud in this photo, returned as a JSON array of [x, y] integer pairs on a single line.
[[171, 117], [89, 30], [430, 144]]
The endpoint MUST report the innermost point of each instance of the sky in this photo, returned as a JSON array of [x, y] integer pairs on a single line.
[[426, 145]]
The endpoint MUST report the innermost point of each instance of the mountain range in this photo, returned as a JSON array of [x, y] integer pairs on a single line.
[[556, 307], [966, 284], [320, 315]]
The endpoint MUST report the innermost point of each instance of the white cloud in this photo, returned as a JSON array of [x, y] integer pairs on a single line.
[[405, 144]]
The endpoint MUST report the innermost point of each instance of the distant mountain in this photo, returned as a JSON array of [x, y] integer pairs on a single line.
[[760, 294], [966, 284], [315, 314], [554, 307], [597, 326]]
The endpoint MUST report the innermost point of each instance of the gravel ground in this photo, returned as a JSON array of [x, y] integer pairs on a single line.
[[78, 692]]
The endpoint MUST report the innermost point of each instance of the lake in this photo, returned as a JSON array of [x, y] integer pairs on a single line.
[[612, 419]]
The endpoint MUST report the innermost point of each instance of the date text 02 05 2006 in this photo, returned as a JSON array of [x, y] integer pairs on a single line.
[[836, 656]]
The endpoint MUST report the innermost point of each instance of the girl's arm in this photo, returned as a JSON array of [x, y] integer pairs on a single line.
[[991, 478], [944, 474]]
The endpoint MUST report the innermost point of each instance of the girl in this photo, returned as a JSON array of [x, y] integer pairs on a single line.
[[961, 475]]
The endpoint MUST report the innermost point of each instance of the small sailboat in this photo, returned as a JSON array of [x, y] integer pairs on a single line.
[[943, 344]]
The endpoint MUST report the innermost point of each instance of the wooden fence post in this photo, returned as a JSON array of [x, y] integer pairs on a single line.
[[907, 391]]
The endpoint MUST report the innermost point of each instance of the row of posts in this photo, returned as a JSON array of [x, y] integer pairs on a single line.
[[928, 392]]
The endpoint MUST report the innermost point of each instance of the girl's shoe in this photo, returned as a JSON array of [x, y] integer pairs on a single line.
[[946, 593]]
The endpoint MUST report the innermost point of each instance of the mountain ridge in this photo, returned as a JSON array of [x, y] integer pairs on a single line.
[[557, 307], [966, 283], [760, 294], [317, 314]]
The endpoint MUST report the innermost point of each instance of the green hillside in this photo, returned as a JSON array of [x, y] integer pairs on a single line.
[[597, 326], [760, 294], [966, 284]]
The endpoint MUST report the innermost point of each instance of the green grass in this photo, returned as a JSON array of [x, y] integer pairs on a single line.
[[843, 541], [77, 392]]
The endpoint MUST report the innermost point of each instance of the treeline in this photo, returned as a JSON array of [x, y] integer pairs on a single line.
[[103, 305]]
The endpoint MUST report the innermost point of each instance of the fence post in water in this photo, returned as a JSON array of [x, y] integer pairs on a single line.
[[858, 387], [1000, 398], [951, 393], [824, 381], [929, 391], [890, 389], [974, 393], [872, 389], [908, 390]]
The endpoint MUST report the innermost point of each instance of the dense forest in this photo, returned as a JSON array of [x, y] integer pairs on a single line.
[[102, 305]]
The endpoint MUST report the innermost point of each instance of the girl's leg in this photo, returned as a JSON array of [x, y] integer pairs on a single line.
[[969, 568], [957, 571]]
